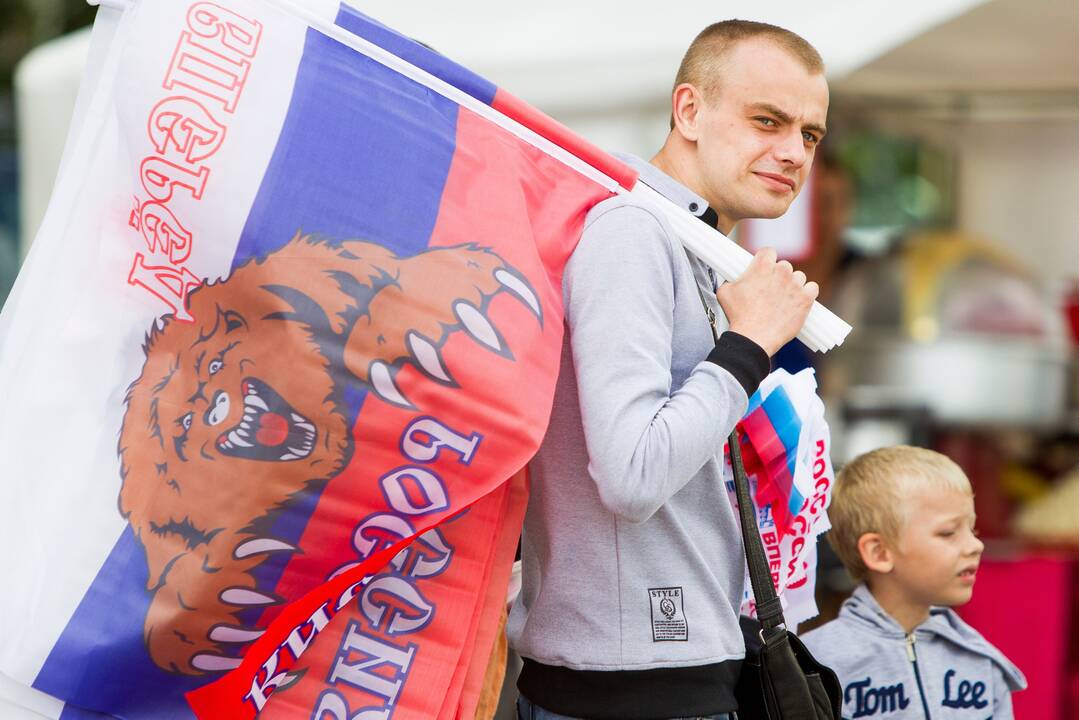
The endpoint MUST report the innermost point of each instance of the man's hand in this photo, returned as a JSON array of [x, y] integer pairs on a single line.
[[769, 303]]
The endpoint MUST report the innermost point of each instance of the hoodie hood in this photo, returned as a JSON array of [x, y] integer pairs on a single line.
[[862, 609]]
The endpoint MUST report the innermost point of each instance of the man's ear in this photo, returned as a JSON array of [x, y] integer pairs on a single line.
[[686, 104], [875, 553]]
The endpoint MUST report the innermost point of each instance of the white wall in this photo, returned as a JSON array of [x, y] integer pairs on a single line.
[[637, 130], [1019, 187], [46, 85]]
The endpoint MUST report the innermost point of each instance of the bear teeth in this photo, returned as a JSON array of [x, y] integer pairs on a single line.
[[517, 286], [214, 663], [259, 546], [385, 386], [428, 358], [246, 596], [477, 325], [233, 634]]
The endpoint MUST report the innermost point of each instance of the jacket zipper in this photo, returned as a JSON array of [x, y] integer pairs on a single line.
[[913, 657]]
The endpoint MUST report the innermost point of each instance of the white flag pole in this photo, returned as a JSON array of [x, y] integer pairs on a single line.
[[823, 329]]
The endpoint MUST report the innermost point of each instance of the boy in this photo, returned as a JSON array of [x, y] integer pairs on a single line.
[[903, 525]]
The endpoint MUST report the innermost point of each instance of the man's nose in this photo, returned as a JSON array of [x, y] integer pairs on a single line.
[[790, 149]]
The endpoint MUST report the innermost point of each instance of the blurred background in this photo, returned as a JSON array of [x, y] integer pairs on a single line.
[[940, 220]]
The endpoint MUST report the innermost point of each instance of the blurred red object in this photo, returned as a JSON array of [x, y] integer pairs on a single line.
[[1023, 604], [1071, 310], [982, 460]]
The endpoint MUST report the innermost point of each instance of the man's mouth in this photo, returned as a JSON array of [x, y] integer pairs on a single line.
[[776, 181], [270, 428]]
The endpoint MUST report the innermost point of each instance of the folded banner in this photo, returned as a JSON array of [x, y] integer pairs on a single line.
[[291, 323], [786, 449]]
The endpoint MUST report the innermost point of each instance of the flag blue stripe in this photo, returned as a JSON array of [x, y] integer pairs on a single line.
[[100, 661], [413, 51], [784, 419], [364, 153]]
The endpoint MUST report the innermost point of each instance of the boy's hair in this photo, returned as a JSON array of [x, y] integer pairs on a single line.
[[870, 491], [702, 65]]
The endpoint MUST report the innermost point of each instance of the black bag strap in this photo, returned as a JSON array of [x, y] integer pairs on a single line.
[[769, 606]]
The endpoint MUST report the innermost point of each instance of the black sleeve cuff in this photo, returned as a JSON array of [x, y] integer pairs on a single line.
[[743, 358]]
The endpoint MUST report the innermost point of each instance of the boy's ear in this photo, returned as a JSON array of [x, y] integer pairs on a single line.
[[875, 553]]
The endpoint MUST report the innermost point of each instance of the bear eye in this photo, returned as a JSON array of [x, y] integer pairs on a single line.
[[214, 366], [180, 441]]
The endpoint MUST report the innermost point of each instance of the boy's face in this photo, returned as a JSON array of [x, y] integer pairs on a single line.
[[937, 553]]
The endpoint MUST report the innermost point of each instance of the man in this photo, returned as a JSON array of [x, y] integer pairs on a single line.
[[632, 557]]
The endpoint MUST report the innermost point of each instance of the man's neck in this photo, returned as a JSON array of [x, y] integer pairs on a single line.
[[677, 166], [908, 613]]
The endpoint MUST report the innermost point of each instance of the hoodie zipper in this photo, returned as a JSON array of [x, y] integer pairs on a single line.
[[913, 657]]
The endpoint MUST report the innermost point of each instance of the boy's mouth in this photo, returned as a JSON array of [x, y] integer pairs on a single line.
[[968, 575]]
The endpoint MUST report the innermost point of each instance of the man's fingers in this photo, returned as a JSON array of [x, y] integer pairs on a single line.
[[799, 277], [765, 256], [812, 289], [785, 267]]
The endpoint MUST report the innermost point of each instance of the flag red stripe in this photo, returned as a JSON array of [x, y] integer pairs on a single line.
[[556, 132]]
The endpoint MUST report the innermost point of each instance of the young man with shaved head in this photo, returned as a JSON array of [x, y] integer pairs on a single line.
[[632, 555]]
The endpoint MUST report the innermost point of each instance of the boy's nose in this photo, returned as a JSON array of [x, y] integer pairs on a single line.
[[977, 546]]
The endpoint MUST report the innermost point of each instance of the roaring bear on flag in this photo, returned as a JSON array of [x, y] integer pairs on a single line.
[[222, 429]]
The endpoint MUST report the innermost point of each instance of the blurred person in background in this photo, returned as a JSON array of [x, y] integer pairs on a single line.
[[833, 208], [830, 256]]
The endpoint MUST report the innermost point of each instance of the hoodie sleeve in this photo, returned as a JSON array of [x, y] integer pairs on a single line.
[[645, 439], [1002, 697]]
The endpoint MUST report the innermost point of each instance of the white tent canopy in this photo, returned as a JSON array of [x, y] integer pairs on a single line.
[[564, 54], [590, 64]]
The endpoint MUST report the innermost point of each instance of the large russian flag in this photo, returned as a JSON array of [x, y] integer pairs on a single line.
[[290, 309]]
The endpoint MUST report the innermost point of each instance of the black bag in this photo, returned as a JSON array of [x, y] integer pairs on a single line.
[[780, 679]]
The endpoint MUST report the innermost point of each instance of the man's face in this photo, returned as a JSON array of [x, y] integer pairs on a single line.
[[757, 132], [937, 553]]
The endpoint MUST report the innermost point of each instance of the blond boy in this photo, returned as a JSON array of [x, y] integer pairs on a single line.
[[903, 525]]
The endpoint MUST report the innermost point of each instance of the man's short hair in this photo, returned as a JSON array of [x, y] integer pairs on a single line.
[[702, 65], [871, 492]]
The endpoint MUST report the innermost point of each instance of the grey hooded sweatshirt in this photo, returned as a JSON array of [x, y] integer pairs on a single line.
[[944, 670]]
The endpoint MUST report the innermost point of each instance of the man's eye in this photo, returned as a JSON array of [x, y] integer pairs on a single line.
[[767, 122], [810, 138], [214, 366]]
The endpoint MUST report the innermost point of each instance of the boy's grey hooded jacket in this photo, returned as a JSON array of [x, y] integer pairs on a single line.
[[944, 670]]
